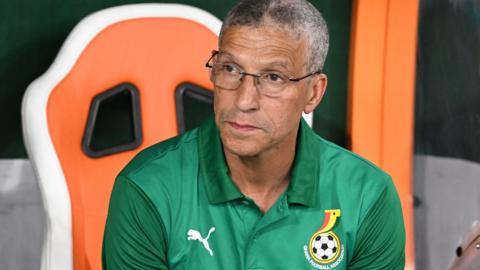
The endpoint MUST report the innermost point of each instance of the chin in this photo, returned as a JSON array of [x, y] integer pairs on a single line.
[[241, 148]]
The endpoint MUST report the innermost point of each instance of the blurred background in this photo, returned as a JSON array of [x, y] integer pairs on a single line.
[[446, 133]]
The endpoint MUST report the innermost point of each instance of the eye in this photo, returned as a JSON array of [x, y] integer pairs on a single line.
[[276, 78], [228, 68]]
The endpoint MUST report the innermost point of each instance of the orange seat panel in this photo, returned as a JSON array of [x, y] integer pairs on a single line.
[[154, 54]]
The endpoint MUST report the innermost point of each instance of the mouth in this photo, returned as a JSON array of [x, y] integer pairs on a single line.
[[241, 127]]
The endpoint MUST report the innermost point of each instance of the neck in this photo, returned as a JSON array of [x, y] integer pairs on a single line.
[[266, 176]]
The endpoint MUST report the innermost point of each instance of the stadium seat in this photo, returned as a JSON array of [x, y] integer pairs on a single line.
[[129, 58]]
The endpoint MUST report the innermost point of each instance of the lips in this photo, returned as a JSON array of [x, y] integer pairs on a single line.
[[243, 127]]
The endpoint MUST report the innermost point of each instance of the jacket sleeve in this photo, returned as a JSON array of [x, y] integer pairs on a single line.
[[134, 235], [380, 240]]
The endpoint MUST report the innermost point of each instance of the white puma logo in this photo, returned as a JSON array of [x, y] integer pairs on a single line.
[[195, 235]]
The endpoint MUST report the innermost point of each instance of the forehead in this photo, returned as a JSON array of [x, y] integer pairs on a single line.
[[264, 45]]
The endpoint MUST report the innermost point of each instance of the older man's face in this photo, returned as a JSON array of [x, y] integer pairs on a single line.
[[250, 122]]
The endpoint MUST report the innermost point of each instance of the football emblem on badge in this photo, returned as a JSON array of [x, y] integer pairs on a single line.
[[324, 247], [324, 250]]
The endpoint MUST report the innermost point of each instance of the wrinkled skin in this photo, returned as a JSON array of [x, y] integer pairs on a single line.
[[252, 124]]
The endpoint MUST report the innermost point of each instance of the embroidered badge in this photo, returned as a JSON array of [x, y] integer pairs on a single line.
[[324, 250], [195, 235]]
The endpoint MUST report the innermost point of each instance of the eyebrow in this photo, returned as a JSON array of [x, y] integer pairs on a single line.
[[284, 64], [223, 53]]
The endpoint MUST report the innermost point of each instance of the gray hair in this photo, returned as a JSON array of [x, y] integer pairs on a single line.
[[298, 16]]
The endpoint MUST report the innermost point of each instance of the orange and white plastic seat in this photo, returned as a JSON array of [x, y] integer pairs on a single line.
[[154, 47]]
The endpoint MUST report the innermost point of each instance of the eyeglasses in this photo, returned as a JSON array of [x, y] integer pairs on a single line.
[[229, 76]]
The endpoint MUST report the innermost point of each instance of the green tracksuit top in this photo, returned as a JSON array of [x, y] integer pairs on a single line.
[[175, 207]]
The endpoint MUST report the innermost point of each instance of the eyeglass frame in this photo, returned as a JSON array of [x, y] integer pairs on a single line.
[[243, 73]]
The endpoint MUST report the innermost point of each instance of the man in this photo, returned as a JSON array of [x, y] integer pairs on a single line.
[[255, 187]]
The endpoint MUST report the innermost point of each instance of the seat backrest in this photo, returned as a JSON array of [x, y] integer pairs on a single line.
[[153, 47]]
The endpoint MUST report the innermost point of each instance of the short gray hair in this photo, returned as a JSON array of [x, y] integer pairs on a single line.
[[299, 16]]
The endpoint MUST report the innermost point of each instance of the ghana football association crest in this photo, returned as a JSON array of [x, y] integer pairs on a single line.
[[325, 250]]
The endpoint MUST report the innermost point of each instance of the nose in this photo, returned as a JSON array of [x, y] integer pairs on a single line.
[[247, 94]]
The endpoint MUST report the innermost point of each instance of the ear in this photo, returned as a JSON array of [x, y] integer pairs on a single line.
[[317, 90]]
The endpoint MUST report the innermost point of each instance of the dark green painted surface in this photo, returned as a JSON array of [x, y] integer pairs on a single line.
[[447, 109], [330, 118], [31, 33]]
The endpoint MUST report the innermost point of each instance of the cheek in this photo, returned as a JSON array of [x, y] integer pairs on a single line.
[[220, 101], [283, 115]]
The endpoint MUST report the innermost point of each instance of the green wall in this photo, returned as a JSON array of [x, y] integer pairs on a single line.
[[447, 101], [31, 33]]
